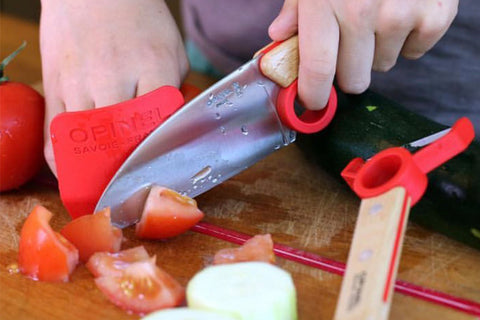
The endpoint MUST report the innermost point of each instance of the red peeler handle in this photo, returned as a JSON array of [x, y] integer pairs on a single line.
[[395, 167], [442, 150]]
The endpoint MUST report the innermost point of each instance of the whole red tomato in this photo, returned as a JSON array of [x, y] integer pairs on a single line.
[[21, 134]]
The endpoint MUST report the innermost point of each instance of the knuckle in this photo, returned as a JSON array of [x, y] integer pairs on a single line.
[[361, 9], [433, 26], [394, 22], [432, 30], [317, 71], [359, 14]]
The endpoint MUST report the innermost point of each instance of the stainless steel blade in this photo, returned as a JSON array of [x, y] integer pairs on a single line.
[[226, 129], [414, 145]]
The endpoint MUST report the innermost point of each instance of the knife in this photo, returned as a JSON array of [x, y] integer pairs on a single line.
[[229, 127]]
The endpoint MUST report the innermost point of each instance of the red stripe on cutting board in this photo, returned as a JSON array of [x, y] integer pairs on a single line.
[[396, 248], [332, 266]]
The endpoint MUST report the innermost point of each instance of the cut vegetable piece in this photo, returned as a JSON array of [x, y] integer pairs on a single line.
[[44, 254], [93, 233], [167, 214], [258, 248], [141, 288], [113, 264], [247, 290], [186, 314]]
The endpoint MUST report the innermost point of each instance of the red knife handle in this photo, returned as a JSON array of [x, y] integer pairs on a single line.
[[279, 62], [90, 146]]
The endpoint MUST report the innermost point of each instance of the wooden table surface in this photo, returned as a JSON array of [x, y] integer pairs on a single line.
[[286, 195]]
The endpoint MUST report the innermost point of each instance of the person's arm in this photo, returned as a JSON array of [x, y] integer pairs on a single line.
[[100, 52], [347, 39]]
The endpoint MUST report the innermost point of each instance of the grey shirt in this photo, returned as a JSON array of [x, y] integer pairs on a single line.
[[442, 85]]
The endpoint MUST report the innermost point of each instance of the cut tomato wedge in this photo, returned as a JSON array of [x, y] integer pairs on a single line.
[[93, 233], [167, 214], [258, 248], [113, 264], [142, 287], [44, 254]]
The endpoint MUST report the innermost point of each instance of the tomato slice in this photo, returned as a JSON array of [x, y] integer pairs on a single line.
[[142, 287], [113, 264], [167, 214], [44, 254], [258, 248], [93, 233]]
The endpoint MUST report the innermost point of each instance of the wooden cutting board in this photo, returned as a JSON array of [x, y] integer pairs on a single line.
[[286, 195]]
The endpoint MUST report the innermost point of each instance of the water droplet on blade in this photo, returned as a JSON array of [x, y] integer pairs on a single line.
[[202, 174], [244, 129]]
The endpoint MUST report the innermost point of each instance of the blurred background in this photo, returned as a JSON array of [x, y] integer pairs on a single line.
[[19, 21], [28, 9]]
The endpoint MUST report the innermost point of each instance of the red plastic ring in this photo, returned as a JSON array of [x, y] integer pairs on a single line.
[[309, 121], [388, 169]]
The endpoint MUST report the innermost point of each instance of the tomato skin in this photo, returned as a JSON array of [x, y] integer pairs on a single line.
[[44, 254], [258, 248], [167, 214], [22, 112], [93, 233], [112, 264], [142, 287]]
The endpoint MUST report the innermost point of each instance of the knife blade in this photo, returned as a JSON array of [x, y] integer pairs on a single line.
[[411, 146], [226, 129]]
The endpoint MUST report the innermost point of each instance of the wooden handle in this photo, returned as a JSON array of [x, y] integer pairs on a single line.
[[371, 270], [281, 63]]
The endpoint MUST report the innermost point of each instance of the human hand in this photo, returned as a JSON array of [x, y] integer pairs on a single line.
[[350, 38], [100, 52]]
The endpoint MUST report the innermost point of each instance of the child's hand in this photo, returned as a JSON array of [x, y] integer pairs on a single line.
[[100, 52], [352, 37]]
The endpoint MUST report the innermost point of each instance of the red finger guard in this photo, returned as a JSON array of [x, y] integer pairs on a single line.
[[309, 121], [397, 167], [89, 146]]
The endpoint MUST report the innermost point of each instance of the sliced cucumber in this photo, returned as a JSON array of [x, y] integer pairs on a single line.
[[186, 314], [247, 290]]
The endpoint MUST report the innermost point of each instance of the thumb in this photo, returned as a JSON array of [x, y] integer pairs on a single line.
[[285, 24]]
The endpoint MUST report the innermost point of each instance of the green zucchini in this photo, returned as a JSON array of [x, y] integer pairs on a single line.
[[245, 291], [368, 123], [186, 314]]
